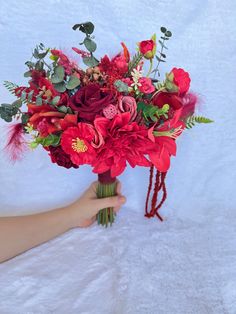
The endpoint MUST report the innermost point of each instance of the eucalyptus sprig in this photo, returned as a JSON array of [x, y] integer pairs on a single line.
[[87, 28], [162, 56]]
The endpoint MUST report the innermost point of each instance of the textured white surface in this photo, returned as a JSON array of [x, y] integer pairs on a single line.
[[186, 264]]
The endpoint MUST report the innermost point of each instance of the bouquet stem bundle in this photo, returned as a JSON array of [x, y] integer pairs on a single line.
[[106, 188]]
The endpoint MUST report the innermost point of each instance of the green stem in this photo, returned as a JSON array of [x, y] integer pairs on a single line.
[[150, 68], [106, 215]]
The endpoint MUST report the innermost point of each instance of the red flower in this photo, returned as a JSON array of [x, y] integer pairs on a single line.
[[59, 157], [90, 101], [147, 48], [172, 99], [115, 69], [165, 145], [77, 142], [146, 85], [181, 79], [125, 141]]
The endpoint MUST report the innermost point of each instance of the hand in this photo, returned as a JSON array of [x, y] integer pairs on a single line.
[[84, 210]]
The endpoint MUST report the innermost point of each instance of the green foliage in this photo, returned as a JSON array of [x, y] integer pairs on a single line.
[[121, 86], [86, 27], [88, 42], [10, 86], [90, 61], [24, 118], [192, 120], [73, 82], [60, 87], [8, 111], [151, 112], [51, 139], [135, 61], [162, 56], [58, 75]]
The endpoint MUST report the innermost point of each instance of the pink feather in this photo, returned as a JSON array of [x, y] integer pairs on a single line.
[[16, 145], [189, 104]]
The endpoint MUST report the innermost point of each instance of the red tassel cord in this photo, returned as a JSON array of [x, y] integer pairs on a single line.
[[158, 186], [149, 190]]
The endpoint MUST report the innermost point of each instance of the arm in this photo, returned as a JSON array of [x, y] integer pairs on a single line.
[[18, 234]]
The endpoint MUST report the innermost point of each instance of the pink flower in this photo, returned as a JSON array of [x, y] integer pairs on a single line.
[[128, 104], [146, 85]]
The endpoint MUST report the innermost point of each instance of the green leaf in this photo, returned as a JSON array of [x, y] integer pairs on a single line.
[[55, 100], [62, 109], [161, 43], [43, 54], [168, 34], [17, 103], [190, 121], [51, 139], [27, 74], [58, 75], [60, 87], [159, 59], [121, 86], [39, 101], [30, 96], [90, 44], [73, 82], [135, 61], [86, 27], [90, 61], [24, 118], [163, 29]]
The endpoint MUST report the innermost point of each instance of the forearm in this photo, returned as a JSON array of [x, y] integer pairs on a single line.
[[18, 234]]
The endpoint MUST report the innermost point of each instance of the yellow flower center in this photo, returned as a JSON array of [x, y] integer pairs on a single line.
[[79, 146]]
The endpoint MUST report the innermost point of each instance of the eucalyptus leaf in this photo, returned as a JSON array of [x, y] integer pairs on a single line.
[[55, 100], [168, 34], [163, 29], [39, 101], [73, 82], [62, 109], [121, 86], [86, 27], [58, 75], [90, 61], [60, 87], [27, 74], [90, 44]]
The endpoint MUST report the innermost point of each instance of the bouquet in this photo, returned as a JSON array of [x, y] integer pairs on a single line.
[[107, 115]]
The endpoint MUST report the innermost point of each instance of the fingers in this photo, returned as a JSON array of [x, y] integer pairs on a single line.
[[113, 201]]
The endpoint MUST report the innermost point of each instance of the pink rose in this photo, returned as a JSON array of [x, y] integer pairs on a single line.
[[146, 85], [128, 104]]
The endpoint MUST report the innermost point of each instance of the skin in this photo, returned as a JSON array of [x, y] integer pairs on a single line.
[[21, 233]]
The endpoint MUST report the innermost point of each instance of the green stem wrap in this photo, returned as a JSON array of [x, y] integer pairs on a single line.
[[106, 187]]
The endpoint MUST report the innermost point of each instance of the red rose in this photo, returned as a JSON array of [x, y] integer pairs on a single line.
[[181, 79], [90, 101], [59, 157], [147, 48], [172, 99], [146, 85]]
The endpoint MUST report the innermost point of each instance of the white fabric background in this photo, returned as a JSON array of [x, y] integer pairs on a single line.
[[186, 264]]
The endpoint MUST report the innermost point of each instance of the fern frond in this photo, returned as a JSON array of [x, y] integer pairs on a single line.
[[135, 61], [190, 122], [10, 86]]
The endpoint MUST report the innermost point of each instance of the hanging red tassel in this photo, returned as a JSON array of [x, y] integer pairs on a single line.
[[158, 186]]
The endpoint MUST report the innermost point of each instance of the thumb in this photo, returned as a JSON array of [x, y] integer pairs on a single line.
[[112, 201]]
